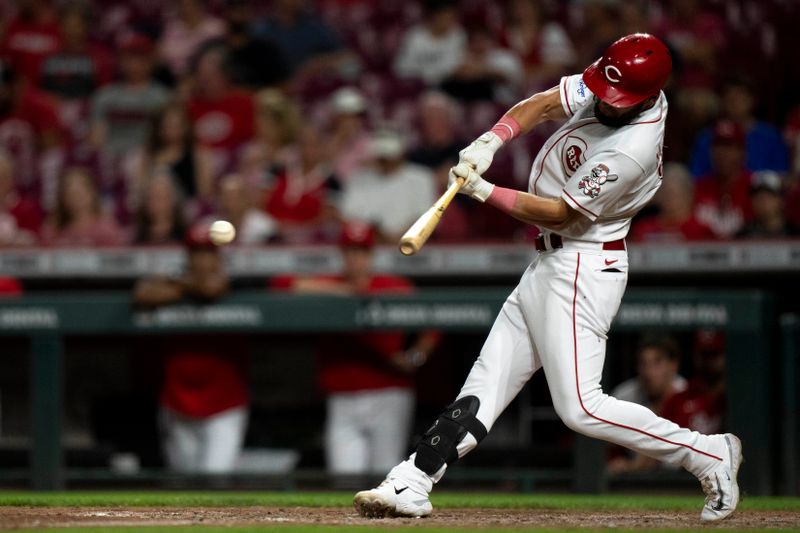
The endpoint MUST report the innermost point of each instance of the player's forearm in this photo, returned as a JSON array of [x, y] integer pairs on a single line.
[[529, 208], [539, 108]]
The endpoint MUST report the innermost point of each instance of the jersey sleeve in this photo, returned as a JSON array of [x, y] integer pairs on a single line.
[[599, 183], [575, 95]]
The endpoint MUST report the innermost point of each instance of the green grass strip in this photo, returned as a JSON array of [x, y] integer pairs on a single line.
[[367, 529], [344, 499]]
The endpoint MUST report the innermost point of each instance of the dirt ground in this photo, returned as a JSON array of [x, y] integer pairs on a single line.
[[12, 518]]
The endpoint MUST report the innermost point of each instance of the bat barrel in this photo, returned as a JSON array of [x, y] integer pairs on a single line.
[[418, 233]]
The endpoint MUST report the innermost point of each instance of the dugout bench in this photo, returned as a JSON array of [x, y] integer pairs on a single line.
[[746, 316]]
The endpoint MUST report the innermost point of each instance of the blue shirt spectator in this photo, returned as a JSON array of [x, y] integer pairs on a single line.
[[765, 150], [300, 34]]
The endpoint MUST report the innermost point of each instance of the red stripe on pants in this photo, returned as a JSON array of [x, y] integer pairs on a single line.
[[578, 383]]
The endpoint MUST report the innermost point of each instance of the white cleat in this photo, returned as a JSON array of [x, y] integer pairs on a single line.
[[392, 498], [720, 486]]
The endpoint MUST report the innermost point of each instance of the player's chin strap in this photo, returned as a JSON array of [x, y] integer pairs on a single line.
[[439, 444]]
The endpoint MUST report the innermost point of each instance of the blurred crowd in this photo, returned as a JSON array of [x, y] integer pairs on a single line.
[[125, 122]]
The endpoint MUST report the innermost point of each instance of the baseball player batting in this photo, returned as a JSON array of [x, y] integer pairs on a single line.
[[587, 182]]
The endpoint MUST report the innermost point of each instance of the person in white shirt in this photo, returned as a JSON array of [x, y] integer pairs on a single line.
[[657, 363], [392, 193], [431, 51], [587, 182]]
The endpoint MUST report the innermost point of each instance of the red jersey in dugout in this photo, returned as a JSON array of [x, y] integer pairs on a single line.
[[204, 376], [360, 361], [696, 408]]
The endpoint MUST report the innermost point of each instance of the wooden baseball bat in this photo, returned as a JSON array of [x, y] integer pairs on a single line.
[[418, 233]]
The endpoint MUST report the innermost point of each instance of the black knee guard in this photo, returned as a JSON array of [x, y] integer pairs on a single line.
[[438, 444]]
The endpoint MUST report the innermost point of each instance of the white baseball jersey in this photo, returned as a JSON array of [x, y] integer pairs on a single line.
[[607, 174]]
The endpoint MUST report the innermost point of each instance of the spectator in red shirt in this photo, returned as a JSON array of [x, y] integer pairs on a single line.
[[365, 375], [205, 394], [675, 221], [79, 219], [30, 37], [722, 199], [20, 218], [701, 406], [30, 129], [304, 194], [223, 115]]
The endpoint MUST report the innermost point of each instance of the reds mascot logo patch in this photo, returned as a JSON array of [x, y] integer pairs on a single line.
[[590, 185], [574, 154]]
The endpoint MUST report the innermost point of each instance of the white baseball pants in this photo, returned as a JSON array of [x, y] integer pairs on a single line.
[[203, 445], [367, 431], [557, 319]]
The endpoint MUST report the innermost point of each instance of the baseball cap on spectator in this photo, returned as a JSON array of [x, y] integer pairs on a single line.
[[728, 132], [348, 101], [766, 180], [357, 234], [709, 341], [198, 237], [387, 144], [135, 43]]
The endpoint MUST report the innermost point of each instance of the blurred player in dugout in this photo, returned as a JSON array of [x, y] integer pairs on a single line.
[[658, 360], [698, 404], [365, 376], [205, 395]]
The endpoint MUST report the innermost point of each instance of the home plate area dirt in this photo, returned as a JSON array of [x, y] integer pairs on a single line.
[[12, 518]]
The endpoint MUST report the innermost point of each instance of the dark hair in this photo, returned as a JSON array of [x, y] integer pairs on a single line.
[[432, 7], [214, 46], [737, 80], [154, 142], [143, 220], [665, 344], [61, 216]]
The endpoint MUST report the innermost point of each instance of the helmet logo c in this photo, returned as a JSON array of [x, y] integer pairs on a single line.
[[612, 69]]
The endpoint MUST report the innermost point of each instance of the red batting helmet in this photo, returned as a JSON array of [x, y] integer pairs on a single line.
[[632, 69]]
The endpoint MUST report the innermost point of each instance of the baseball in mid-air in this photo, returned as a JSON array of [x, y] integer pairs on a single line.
[[221, 232]]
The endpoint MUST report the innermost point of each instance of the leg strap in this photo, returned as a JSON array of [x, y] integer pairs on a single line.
[[439, 444]]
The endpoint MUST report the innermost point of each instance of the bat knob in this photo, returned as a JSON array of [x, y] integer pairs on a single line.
[[408, 248]]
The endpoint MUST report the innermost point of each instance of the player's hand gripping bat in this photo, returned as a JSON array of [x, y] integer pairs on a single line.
[[418, 233]]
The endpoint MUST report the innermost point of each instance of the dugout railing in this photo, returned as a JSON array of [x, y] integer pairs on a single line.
[[746, 316]]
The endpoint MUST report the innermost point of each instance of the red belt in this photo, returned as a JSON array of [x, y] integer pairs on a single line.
[[557, 242]]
